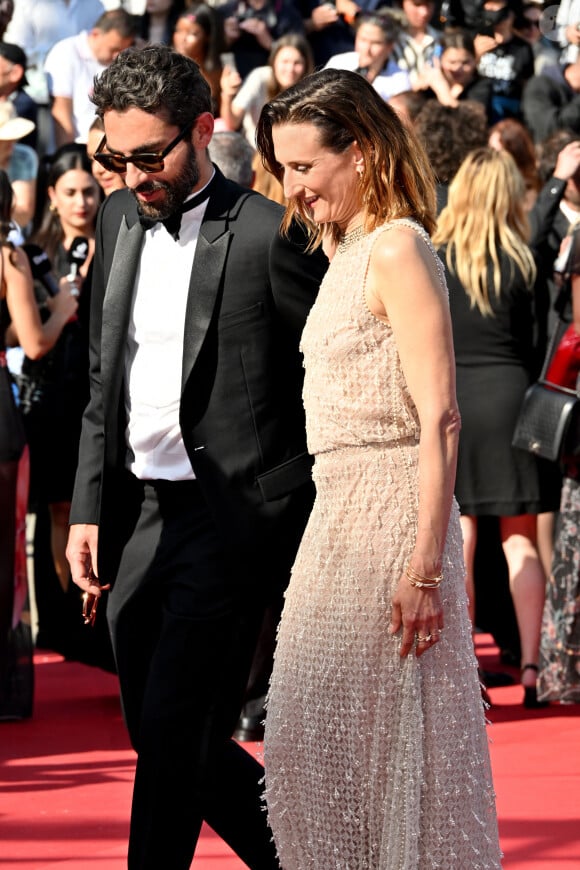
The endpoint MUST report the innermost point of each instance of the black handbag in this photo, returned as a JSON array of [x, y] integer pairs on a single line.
[[548, 423]]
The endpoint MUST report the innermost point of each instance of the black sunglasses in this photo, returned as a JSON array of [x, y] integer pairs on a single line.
[[146, 162], [531, 22]]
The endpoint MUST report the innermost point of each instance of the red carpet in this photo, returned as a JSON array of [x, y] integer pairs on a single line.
[[65, 778]]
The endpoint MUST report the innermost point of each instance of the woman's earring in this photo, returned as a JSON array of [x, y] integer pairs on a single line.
[[52, 208]]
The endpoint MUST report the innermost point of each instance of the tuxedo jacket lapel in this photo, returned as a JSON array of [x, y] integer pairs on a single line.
[[206, 275], [117, 308], [204, 287], [207, 272]]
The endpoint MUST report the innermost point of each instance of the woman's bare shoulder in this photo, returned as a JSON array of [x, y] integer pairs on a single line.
[[401, 243]]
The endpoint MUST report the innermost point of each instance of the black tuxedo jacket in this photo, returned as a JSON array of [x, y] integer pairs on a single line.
[[241, 410]]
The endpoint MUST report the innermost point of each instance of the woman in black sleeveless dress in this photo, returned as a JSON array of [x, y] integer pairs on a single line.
[[482, 234]]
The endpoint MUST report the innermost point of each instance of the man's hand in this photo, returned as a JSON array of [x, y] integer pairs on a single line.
[[81, 553]]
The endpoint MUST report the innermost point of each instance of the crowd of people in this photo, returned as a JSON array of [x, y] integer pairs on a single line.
[[279, 478]]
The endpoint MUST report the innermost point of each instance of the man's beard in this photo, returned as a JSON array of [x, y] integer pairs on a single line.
[[176, 191]]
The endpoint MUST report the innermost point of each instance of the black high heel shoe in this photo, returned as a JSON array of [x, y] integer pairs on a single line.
[[531, 693]]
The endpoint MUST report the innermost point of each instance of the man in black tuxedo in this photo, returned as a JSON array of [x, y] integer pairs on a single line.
[[193, 484]]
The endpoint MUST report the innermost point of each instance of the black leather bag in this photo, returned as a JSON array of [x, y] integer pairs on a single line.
[[549, 422]]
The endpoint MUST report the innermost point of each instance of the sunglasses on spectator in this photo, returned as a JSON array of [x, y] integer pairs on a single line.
[[531, 22], [145, 162]]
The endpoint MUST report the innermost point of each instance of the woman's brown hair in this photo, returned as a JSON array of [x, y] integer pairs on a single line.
[[397, 180], [302, 46]]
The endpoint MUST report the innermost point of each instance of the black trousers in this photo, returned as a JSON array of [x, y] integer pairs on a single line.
[[184, 617]]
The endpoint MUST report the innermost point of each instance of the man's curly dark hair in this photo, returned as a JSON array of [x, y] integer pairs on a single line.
[[156, 80], [450, 134]]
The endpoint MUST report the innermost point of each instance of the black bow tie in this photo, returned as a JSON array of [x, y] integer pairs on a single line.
[[173, 223]]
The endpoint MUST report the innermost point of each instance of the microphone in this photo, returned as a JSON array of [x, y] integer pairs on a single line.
[[77, 254], [41, 267]]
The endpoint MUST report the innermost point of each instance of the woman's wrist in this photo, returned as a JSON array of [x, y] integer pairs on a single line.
[[423, 581], [426, 566]]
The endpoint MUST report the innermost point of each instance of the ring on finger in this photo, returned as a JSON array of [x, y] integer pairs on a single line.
[[425, 639]]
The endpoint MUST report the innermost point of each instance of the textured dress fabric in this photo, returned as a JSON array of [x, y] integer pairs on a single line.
[[495, 365], [372, 761], [559, 677]]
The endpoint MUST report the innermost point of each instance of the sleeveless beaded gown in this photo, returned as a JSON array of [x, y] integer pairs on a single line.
[[373, 762]]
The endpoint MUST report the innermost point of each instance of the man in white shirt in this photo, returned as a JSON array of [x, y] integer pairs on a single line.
[[376, 33], [37, 25], [71, 66]]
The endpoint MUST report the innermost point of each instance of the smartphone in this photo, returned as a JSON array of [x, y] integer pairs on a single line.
[[228, 59]]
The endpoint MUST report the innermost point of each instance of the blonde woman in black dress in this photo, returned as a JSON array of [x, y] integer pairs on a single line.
[[482, 234]]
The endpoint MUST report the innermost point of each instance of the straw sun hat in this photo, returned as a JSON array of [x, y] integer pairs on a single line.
[[11, 126]]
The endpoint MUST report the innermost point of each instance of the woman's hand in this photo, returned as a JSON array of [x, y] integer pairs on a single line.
[[259, 30], [66, 302], [348, 9], [432, 77], [483, 44], [420, 614], [230, 82], [322, 16]]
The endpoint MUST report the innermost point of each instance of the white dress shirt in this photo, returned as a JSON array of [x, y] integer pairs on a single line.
[[70, 68], [154, 352]]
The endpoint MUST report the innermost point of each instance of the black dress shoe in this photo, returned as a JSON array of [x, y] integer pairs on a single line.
[[250, 728]]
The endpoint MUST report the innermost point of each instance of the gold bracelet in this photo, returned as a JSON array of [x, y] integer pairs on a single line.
[[420, 585], [421, 577], [421, 582]]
